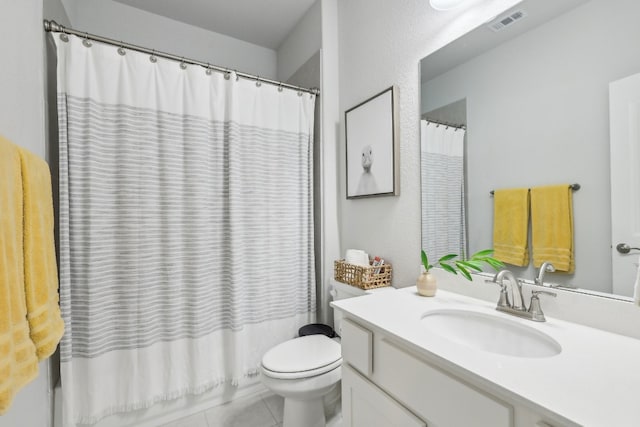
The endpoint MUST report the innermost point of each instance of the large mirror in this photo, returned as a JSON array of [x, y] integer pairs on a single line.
[[547, 93]]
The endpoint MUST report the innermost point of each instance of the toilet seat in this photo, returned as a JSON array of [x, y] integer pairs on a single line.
[[302, 357]]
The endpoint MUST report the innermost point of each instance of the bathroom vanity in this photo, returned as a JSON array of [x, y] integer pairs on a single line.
[[401, 367]]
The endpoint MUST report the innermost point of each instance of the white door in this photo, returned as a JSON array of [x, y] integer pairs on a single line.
[[624, 110]]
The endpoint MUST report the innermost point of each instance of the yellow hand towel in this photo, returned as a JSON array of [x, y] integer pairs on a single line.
[[510, 226], [18, 361], [40, 270], [552, 226]]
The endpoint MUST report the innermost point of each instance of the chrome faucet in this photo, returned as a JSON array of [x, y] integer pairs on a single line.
[[518, 308], [544, 268], [516, 288]]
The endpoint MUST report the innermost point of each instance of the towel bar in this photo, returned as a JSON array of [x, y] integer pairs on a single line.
[[574, 187]]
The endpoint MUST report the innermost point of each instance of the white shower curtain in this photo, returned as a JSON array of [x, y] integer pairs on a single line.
[[186, 227], [443, 208]]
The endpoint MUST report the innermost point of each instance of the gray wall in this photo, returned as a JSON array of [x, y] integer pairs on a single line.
[[308, 75], [301, 44], [381, 43], [22, 121], [538, 114], [121, 22]]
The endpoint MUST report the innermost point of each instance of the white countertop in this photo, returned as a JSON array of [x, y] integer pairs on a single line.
[[594, 381]]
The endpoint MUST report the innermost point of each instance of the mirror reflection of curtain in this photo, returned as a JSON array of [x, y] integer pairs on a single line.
[[443, 207]]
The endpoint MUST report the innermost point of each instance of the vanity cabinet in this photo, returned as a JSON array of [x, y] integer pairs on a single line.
[[366, 405], [385, 384]]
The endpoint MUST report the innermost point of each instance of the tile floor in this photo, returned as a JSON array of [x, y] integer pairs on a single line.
[[263, 410]]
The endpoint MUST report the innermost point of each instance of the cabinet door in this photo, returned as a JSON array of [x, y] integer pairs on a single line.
[[365, 405]]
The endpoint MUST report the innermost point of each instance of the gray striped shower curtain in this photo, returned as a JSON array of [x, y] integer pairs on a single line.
[[186, 227], [444, 229]]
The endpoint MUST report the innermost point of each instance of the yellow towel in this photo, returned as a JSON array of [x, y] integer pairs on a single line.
[[40, 270], [510, 226], [552, 226], [18, 361]]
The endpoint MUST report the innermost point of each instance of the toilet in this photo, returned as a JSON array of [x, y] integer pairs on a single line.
[[307, 369]]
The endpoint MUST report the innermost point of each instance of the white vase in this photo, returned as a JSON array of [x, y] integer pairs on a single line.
[[426, 284]]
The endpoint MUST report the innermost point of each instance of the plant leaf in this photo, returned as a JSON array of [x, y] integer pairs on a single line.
[[474, 265], [448, 268], [481, 254], [425, 260], [463, 270], [494, 263], [447, 257]]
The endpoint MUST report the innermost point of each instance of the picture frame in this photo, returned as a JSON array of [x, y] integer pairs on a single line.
[[371, 129]]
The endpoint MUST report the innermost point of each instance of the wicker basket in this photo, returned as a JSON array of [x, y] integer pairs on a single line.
[[362, 277]]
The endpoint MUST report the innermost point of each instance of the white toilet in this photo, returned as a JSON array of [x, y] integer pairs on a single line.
[[304, 370]]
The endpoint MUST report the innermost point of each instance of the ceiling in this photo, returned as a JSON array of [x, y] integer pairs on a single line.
[[265, 23], [482, 39]]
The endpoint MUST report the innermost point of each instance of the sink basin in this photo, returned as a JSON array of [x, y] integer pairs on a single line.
[[490, 333]]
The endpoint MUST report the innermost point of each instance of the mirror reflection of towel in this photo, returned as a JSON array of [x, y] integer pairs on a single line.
[[552, 226], [511, 225]]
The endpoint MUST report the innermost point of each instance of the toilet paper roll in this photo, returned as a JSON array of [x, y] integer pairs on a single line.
[[353, 255], [356, 257]]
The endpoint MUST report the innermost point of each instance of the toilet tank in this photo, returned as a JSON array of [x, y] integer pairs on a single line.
[[341, 291]]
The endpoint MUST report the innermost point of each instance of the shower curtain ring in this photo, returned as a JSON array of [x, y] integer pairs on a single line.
[[227, 74], [208, 69], [121, 50], [63, 36], [258, 82], [280, 88], [182, 64], [237, 76], [86, 41], [153, 58]]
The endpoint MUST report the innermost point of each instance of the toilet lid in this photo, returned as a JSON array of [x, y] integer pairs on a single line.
[[306, 353]]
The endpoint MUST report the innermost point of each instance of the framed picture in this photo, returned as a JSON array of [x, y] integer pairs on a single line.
[[372, 157]]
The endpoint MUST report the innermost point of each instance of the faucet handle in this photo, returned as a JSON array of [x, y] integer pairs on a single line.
[[534, 307], [534, 294], [503, 301]]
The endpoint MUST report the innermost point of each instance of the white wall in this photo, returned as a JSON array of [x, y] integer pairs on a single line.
[[381, 43], [121, 22], [54, 9], [535, 118], [22, 121], [329, 130], [302, 43]]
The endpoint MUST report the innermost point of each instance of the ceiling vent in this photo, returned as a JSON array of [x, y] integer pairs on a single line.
[[505, 21]]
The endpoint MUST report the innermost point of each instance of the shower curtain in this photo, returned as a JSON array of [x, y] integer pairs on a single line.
[[444, 228], [186, 226]]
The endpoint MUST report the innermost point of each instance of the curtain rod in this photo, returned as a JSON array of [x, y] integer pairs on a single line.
[[574, 187], [53, 26], [449, 125]]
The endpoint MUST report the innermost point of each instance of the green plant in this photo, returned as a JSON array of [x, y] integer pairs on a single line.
[[463, 266]]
